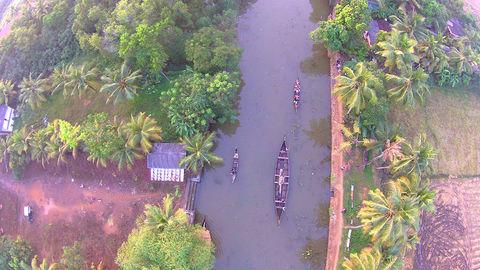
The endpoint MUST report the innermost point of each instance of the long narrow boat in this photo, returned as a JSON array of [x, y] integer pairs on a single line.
[[281, 179], [296, 94]]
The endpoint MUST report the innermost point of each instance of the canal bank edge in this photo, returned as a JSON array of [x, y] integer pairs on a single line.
[[335, 225]]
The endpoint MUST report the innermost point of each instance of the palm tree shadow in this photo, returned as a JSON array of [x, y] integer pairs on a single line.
[[319, 132]]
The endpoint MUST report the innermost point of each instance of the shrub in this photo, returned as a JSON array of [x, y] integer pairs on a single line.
[[13, 253], [72, 258], [345, 32]]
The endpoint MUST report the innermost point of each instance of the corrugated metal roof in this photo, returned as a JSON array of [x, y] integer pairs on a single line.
[[166, 156]]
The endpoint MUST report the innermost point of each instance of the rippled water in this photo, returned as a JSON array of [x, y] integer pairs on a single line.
[[276, 49]]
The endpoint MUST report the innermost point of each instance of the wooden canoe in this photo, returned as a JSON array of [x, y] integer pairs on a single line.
[[281, 179]]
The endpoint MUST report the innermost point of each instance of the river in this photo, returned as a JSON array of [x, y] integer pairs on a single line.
[[274, 36]]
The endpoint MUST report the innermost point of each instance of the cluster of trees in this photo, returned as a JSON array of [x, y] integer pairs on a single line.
[[399, 69], [165, 240], [103, 139], [17, 255]]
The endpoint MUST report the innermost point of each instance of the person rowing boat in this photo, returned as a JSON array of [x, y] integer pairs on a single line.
[[296, 94], [234, 169]]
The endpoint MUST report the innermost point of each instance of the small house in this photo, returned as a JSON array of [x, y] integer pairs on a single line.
[[7, 115], [164, 160]]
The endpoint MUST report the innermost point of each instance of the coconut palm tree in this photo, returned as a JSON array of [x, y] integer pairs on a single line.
[[39, 146], [142, 131], [412, 186], [6, 89], [432, 54], [388, 218], [416, 158], [126, 156], [80, 81], [32, 91], [58, 78], [411, 85], [369, 259], [391, 149], [199, 148], [462, 58], [43, 266], [398, 50], [158, 218], [19, 141], [357, 88], [413, 24], [121, 84]]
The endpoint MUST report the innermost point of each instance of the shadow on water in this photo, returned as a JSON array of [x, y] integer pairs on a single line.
[[319, 131], [322, 215], [318, 63], [314, 253], [320, 12]]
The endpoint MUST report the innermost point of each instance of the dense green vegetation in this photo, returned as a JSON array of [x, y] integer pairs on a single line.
[[13, 253], [164, 240], [62, 59], [399, 69]]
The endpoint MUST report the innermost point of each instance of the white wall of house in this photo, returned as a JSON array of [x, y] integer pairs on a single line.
[[173, 175]]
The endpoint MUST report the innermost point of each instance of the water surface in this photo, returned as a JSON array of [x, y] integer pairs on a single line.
[[276, 49]]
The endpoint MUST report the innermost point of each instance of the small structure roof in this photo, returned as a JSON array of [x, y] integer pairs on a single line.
[[6, 119], [166, 156], [455, 27]]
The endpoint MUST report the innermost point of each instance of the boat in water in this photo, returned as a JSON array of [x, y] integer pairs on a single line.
[[296, 94], [234, 170], [281, 181]]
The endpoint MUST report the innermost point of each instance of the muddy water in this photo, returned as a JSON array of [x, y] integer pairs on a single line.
[[276, 49]]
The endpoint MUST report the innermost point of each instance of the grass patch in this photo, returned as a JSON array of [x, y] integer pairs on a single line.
[[363, 181], [450, 120], [148, 101], [72, 109]]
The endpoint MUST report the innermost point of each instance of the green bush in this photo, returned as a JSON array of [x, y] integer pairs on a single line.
[[72, 258], [13, 253], [197, 100], [176, 247], [345, 32]]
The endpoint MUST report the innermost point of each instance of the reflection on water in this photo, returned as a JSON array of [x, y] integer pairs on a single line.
[[318, 63], [320, 10], [314, 253], [319, 131], [322, 215]]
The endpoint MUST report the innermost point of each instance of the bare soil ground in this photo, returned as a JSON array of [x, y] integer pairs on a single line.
[[450, 238], [97, 207]]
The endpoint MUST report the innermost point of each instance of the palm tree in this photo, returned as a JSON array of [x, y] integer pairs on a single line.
[[43, 266], [369, 259], [415, 158], [199, 149], [391, 149], [158, 218], [6, 89], [99, 266], [39, 146], [462, 58], [413, 24], [141, 131], [126, 156], [121, 85], [19, 141], [412, 186], [59, 77], [79, 81], [388, 218], [432, 54], [411, 85], [398, 50], [357, 88], [31, 91]]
